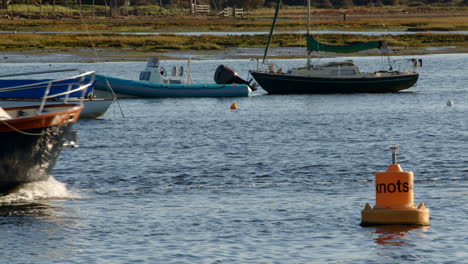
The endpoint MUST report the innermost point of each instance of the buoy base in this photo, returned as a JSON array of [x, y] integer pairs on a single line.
[[416, 216]]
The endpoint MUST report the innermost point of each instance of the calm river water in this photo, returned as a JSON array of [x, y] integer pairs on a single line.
[[282, 179]]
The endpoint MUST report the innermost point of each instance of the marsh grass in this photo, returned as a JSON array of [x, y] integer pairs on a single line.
[[189, 25], [16, 42], [291, 18], [88, 30]]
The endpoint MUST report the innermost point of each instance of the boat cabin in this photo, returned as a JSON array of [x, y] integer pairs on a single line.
[[157, 74], [345, 68]]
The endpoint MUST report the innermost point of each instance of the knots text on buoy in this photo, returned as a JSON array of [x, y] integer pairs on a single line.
[[233, 106], [394, 199]]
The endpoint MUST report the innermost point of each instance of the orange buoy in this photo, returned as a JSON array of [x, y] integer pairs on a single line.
[[233, 106], [394, 196], [394, 188]]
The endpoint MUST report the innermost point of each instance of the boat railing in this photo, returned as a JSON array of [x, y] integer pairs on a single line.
[[406, 65], [36, 73], [81, 82]]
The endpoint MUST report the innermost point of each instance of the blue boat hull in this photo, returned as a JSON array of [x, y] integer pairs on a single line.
[[147, 89], [58, 87]]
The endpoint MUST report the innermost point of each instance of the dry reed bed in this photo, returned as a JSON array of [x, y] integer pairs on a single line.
[[294, 21]]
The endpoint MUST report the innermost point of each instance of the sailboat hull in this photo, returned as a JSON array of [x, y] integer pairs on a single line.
[[280, 83]]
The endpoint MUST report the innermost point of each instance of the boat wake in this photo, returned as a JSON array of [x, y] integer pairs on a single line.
[[41, 190]]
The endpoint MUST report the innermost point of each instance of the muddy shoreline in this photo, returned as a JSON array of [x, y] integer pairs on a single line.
[[114, 55]]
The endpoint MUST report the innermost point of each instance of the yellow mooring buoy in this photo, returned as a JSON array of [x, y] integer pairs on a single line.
[[233, 106], [394, 199]]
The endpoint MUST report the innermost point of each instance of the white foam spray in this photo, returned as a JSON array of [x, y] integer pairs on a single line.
[[41, 190]]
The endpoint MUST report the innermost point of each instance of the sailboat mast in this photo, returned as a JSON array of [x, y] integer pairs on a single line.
[[308, 17], [308, 31], [278, 4]]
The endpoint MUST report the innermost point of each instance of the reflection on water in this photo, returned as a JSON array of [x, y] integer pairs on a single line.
[[25, 203], [399, 243], [26, 210], [396, 236], [34, 232]]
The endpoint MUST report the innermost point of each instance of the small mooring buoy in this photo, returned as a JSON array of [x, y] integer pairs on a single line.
[[394, 199], [233, 106]]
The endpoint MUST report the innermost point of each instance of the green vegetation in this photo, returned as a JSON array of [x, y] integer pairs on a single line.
[[362, 20], [152, 43], [86, 28]]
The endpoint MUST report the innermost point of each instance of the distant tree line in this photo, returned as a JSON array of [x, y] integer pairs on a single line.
[[338, 3], [247, 4]]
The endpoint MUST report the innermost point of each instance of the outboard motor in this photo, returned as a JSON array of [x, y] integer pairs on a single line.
[[227, 75]]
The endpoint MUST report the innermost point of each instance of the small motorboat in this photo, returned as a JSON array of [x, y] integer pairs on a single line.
[[155, 82], [32, 137]]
